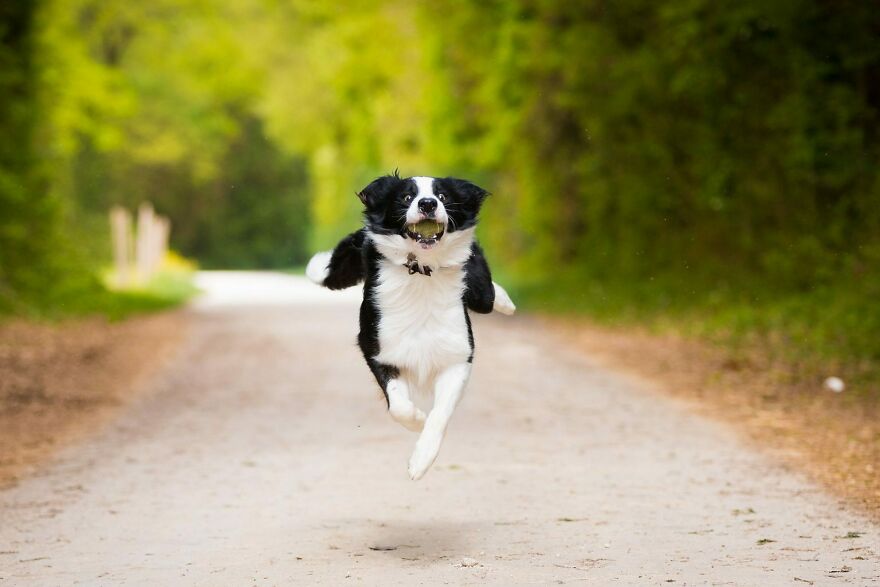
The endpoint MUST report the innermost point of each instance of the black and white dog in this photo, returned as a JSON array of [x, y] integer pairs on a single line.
[[422, 271]]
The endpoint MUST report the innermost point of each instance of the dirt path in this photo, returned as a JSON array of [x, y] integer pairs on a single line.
[[62, 382], [263, 456]]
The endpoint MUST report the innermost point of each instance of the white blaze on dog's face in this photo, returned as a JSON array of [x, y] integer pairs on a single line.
[[426, 216]]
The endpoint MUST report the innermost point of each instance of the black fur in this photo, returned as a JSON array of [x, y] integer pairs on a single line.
[[368, 337], [346, 266], [356, 259], [383, 203], [479, 294], [466, 201]]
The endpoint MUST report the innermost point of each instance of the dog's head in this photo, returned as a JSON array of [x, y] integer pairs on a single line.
[[422, 209]]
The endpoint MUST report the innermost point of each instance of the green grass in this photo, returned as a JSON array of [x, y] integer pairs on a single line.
[[167, 289], [87, 295], [298, 270], [832, 329]]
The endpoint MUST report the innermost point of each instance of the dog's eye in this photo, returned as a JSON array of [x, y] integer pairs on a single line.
[[407, 199], [441, 197]]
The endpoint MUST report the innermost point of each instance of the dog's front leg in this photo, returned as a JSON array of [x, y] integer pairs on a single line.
[[447, 392]]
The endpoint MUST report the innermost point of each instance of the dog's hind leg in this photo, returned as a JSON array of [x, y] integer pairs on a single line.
[[397, 397], [401, 407], [448, 390]]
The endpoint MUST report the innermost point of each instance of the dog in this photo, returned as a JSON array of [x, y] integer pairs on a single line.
[[422, 270]]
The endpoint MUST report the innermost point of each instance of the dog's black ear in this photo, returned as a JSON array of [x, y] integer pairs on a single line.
[[470, 193], [378, 190]]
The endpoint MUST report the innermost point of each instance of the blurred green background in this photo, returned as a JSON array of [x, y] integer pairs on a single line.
[[704, 164]]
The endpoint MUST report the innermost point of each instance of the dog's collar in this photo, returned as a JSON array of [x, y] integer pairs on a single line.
[[413, 265]]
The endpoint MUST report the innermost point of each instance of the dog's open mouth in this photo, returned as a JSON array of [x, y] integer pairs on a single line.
[[426, 232]]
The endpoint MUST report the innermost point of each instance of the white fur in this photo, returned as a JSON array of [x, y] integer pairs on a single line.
[[452, 251], [425, 187], [503, 303], [401, 407], [423, 332], [318, 267], [448, 390], [423, 328]]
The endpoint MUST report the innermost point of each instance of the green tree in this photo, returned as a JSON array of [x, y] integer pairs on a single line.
[[28, 214]]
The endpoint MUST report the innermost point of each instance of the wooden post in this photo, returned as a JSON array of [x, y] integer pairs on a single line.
[[145, 239], [163, 231], [120, 229]]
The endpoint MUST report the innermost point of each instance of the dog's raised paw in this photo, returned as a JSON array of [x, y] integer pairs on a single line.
[[319, 267], [422, 458], [408, 416], [503, 303]]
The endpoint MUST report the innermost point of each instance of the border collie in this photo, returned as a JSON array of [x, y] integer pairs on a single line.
[[422, 271]]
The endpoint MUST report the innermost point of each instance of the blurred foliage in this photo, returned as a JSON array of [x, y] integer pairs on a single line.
[[155, 102], [28, 213], [712, 162]]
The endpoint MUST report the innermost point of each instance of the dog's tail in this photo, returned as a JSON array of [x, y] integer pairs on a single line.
[[319, 267]]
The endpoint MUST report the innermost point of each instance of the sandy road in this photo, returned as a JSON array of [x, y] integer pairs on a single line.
[[263, 456]]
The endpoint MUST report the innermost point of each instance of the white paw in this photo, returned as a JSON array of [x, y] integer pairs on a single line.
[[318, 267], [408, 416], [503, 302], [423, 456]]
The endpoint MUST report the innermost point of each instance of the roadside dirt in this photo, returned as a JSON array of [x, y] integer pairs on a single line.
[[833, 437], [59, 382]]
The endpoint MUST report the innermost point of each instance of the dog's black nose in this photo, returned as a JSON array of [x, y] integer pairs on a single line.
[[427, 205]]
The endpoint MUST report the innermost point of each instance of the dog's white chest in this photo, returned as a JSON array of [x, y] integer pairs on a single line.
[[422, 326]]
